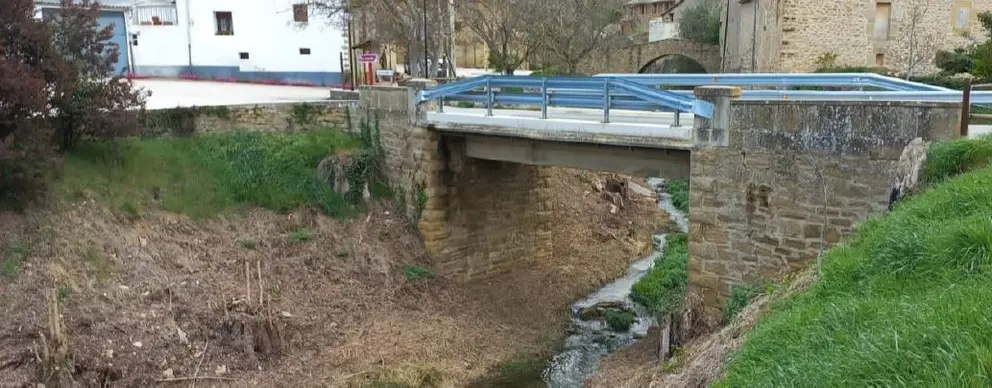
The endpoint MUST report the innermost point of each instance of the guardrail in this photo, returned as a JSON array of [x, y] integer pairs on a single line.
[[643, 92], [604, 93]]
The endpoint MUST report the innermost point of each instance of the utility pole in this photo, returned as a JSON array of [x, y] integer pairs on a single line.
[[427, 66]]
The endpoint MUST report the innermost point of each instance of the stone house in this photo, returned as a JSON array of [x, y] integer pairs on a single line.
[[791, 35]]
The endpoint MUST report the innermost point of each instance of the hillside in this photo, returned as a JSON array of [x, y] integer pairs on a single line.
[[222, 257], [904, 301]]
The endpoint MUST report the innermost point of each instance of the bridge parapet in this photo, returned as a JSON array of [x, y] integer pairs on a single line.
[[792, 178]]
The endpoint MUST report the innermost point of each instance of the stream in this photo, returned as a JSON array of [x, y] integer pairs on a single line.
[[592, 339]]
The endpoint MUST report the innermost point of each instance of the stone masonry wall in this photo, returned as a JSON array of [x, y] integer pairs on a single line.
[[253, 118], [796, 176], [476, 217]]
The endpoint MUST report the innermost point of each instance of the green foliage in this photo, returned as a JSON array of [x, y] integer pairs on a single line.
[[951, 158], [678, 191], [620, 321], [663, 289], [421, 202], [415, 273], [13, 258], [305, 114], [904, 302], [947, 81], [740, 297], [465, 104], [209, 174], [701, 23], [367, 162], [523, 370], [300, 236], [955, 61], [826, 60]]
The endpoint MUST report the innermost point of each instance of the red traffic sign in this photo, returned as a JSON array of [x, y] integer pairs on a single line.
[[368, 58]]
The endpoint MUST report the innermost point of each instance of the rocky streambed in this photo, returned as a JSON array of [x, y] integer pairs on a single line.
[[608, 320]]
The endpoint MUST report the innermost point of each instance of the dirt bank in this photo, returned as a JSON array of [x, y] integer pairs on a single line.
[[160, 297]]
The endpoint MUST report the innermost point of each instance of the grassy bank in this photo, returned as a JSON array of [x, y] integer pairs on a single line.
[[905, 301], [664, 287], [209, 174]]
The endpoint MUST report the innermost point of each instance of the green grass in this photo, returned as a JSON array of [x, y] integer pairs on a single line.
[[300, 236], [415, 273], [905, 302], [678, 190], [208, 175], [620, 321], [950, 158], [740, 297], [663, 289], [14, 257]]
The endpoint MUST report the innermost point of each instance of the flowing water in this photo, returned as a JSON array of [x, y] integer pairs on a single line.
[[592, 339]]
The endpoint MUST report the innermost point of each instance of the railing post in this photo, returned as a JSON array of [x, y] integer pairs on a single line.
[[440, 105], [965, 108], [606, 100], [544, 97], [678, 119], [489, 96]]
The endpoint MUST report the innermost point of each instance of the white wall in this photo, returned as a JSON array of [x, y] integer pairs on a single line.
[[263, 28], [658, 29]]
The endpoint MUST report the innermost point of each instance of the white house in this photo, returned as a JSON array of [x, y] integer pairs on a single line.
[[257, 40]]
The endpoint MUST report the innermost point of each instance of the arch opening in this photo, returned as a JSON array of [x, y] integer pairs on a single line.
[[673, 63]]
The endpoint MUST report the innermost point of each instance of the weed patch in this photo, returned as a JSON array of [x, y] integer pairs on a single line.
[[620, 321], [904, 301], [663, 289], [210, 174], [678, 191], [300, 236], [415, 273], [14, 256], [740, 297]]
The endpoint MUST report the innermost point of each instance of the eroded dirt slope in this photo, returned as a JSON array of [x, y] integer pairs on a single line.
[[160, 299]]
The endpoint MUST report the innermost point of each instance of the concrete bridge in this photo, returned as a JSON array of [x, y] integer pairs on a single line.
[[771, 181]]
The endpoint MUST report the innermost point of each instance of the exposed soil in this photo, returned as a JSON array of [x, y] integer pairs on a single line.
[[164, 298]]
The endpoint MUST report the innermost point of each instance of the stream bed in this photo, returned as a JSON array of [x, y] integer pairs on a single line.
[[592, 339]]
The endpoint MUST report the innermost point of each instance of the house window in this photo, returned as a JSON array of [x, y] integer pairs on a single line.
[[962, 18], [243, 55], [879, 60], [883, 13], [304, 51], [301, 13], [225, 23]]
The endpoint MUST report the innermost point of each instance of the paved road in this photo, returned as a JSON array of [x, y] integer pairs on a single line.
[[173, 93]]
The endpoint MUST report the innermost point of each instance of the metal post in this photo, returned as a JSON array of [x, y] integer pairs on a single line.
[[489, 96], [965, 108], [544, 97], [678, 119], [427, 66], [606, 100], [440, 105]]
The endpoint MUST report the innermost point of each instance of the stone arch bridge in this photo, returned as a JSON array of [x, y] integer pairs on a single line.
[[636, 58]]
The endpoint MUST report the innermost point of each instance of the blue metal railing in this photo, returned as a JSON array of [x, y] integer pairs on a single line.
[[604, 93], [644, 92]]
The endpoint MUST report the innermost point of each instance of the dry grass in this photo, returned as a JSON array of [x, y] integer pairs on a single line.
[[140, 297]]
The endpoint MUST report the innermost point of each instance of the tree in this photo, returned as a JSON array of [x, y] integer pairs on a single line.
[[701, 23], [54, 78], [917, 44], [568, 30], [505, 27], [981, 54]]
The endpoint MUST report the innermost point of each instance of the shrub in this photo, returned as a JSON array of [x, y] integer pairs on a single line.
[[740, 297], [300, 236], [54, 82], [620, 321], [663, 289], [952, 62], [701, 23]]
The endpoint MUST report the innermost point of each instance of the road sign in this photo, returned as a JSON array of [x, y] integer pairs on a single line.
[[368, 58], [385, 72]]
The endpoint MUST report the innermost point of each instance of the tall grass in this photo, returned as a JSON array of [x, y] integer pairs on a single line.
[[210, 174], [678, 191], [663, 289], [950, 158], [906, 301]]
